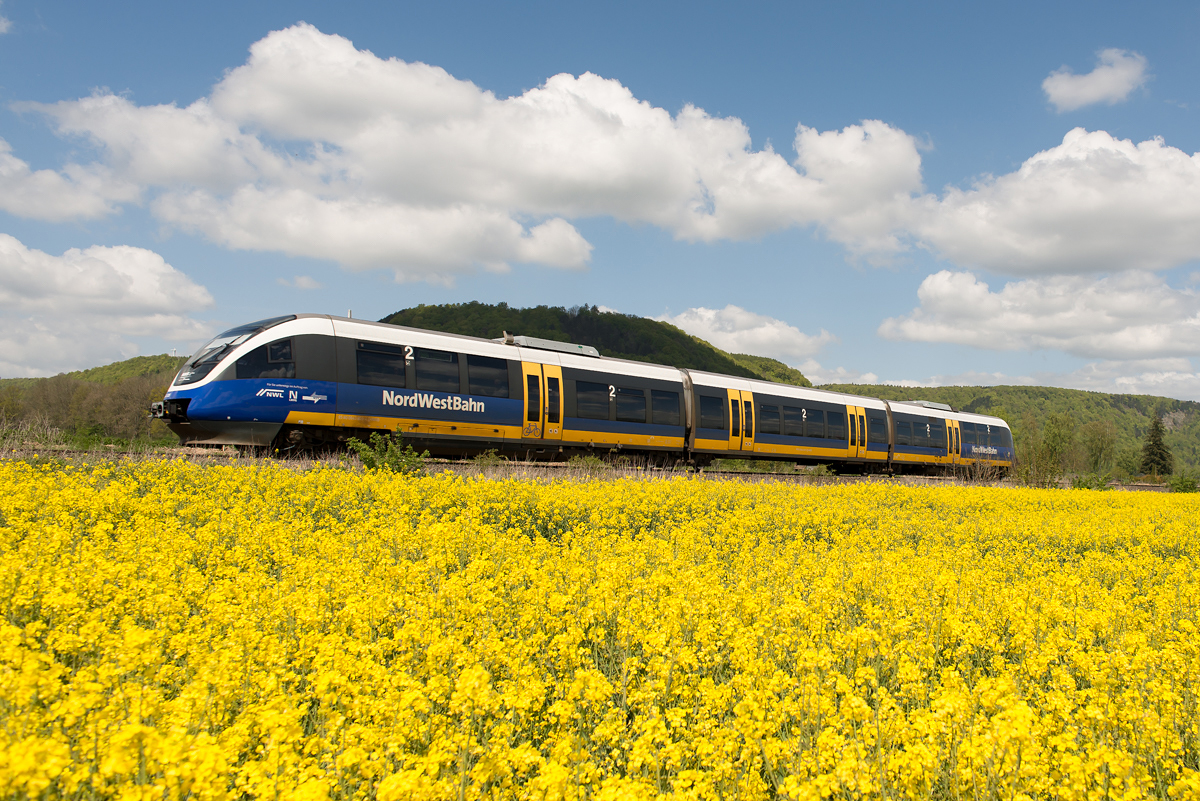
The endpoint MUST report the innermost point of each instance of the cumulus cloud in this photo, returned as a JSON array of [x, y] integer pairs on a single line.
[[75, 193], [1117, 73], [820, 375], [5, 24], [736, 330], [316, 148], [1091, 204], [1170, 377], [1133, 315], [83, 308]]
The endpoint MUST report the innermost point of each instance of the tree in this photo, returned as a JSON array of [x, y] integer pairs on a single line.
[[1099, 444], [1040, 453], [1156, 456]]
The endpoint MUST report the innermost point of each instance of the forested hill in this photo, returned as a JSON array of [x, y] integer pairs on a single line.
[[622, 336], [1131, 414]]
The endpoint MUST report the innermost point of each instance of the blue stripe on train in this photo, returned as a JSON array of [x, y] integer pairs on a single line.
[[621, 427], [363, 399], [806, 442], [265, 400]]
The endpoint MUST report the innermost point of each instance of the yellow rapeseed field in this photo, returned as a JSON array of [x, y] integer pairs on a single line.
[[178, 631]]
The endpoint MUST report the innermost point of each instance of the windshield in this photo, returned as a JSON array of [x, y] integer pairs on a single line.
[[205, 359]]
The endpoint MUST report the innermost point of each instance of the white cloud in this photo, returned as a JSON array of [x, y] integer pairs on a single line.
[[820, 375], [1117, 73], [83, 308], [300, 282], [1170, 378], [76, 192], [1133, 315], [313, 147], [736, 330], [1091, 204], [5, 24]]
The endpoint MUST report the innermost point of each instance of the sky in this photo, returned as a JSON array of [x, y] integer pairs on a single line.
[[930, 195]]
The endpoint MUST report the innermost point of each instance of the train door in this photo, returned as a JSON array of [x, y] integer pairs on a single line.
[[553, 403], [735, 419], [954, 440], [531, 427], [858, 431], [543, 401], [747, 421]]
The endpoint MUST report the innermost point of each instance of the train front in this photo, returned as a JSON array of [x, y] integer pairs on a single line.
[[241, 388]]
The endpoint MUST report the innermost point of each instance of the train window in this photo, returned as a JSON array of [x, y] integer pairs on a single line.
[[664, 407], [968, 433], [533, 396], [814, 423], [835, 426], [1005, 438], [259, 363], [280, 351], [747, 419], [768, 419], [712, 412], [487, 376], [937, 434], [380, 364], [631, 405], [437, 370], [793, 421], [591, 400], [734, 418], [903, 432], [552, 399], [920, 433], [877, 429]]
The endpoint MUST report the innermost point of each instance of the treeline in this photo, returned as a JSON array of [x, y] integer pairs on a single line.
[[1081, 432], [621, 336], [103, 404]]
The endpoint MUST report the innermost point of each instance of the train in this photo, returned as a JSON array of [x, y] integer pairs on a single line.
[[313, 381]]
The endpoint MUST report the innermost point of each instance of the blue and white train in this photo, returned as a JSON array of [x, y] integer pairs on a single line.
[[312, 381]]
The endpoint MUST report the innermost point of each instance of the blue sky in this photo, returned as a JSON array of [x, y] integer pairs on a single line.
[[981, 195]]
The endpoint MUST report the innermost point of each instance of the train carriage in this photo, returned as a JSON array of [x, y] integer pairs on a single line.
[[314, 380]]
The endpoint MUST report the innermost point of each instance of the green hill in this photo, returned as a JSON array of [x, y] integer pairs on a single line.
[[623, 336], [1131, 414]]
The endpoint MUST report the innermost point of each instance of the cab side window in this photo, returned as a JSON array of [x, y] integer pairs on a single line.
[[273, 360]]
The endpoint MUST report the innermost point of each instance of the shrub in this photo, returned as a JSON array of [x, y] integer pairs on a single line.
[[384, 453], [1185, 481]]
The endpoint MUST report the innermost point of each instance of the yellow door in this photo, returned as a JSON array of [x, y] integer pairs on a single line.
[[748, 418], [952, 440], [735, 419], [856, 433], [552, 408], [535, 402]]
